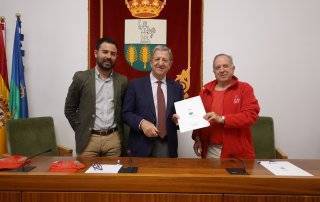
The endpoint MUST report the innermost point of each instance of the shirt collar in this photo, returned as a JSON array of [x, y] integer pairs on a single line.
[[155, 80], [97, 74]]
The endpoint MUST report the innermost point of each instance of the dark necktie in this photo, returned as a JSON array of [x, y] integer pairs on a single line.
[[161, 111]]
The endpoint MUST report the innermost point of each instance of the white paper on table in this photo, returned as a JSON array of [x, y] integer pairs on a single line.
[[284, 168], [106, 168], [191, 112]]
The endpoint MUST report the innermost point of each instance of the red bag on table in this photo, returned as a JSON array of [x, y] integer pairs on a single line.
[[66, 166], [13, 162]]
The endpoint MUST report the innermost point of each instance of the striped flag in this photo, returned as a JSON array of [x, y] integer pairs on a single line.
[[4, 85], [4, 89], [18, 103]]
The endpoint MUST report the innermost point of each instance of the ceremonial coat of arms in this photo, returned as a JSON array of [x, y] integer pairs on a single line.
[[142, 35]]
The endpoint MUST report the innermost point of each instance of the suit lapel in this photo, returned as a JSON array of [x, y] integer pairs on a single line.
[[92, 85], [148, 91], [170, 96], [116, 90]]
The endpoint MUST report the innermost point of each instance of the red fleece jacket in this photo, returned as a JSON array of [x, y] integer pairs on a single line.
[[241, 109]]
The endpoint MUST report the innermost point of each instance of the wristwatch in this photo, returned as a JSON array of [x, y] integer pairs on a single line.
[[222, 118]]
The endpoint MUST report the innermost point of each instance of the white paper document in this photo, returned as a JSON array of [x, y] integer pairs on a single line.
[[104, 168], [284, 168], [191, 112]]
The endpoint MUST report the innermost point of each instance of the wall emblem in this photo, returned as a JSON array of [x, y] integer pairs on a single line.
[[141, 36]]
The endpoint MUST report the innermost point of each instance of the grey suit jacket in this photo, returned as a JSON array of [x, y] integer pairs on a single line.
[[80, 106]]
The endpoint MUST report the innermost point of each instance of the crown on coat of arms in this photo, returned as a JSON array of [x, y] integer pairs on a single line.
[[145, 8]]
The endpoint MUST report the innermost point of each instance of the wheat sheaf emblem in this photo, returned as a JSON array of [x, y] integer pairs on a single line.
[[131, 55], [145, 56]]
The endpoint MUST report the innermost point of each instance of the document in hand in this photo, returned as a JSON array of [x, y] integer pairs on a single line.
[[191, 112]]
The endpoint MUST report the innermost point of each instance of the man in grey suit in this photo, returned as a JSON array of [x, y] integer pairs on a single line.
[[93, 105]]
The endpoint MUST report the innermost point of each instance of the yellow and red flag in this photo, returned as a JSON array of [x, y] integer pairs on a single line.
[[4, 88]]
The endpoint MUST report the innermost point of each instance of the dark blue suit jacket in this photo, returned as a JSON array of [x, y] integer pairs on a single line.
[[138, 104]]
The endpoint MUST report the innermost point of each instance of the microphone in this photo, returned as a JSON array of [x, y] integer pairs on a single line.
[[38, 154], [238, 170], [26, 167]]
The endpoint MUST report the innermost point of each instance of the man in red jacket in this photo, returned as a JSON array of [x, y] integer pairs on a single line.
[[231, 110]]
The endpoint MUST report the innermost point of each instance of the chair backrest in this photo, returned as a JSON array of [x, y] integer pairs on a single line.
[[263, 138], [32, 136]]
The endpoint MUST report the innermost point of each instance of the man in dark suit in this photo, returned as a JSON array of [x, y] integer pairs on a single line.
[[148, 108], [93, 105]]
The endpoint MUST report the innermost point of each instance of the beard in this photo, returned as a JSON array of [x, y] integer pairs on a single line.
[[105, 64]]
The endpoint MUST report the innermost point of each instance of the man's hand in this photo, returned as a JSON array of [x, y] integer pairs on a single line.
[[175, 118], [212, 116], [148, 128], [197, 146]]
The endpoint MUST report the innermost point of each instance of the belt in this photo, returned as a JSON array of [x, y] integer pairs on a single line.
[[104, 132]]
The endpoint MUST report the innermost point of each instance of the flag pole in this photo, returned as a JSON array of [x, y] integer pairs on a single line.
[[3, 28], [18, 15]]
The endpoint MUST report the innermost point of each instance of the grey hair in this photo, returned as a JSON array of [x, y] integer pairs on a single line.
[[163, 48], [223, 54]]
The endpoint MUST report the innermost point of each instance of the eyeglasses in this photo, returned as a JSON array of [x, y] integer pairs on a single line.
[[164, 60], [224, 66], [97, 166]]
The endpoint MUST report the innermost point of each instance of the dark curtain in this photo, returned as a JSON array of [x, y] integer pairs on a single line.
[[176, 13]]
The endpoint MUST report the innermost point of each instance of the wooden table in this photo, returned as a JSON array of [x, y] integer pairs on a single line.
[[160, 180]]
